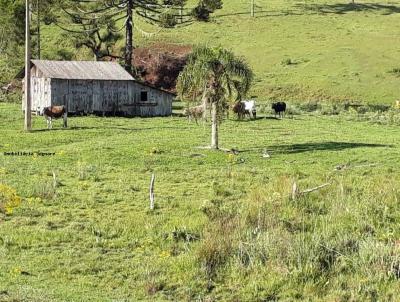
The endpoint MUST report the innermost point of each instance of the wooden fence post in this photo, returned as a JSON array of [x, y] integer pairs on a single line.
[[153, 178]]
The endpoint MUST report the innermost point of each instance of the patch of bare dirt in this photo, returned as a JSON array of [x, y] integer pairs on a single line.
[[159, 65]]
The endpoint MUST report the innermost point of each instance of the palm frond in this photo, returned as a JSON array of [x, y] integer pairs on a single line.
[[205, 64]]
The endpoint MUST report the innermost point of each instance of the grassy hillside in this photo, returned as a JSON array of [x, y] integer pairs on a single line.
[[311, 50], [314, 50], [300, 51], [225, 227]]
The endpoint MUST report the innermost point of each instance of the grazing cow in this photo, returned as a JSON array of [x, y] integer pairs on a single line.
[[279, 108], [55, 112], [244, 108], [194, 113], [250, 108], [238, 108]]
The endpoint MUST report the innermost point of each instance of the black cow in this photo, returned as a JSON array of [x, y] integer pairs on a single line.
[[279, 108]]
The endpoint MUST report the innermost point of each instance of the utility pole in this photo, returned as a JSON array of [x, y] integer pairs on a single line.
[[252, 8], [27, 86], [38, 28]]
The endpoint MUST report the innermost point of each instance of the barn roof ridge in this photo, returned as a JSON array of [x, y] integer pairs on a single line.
[[83, 70]]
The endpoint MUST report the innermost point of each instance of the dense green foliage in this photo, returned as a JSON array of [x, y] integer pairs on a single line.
[[218, 77], [225, 227], [12, 16]]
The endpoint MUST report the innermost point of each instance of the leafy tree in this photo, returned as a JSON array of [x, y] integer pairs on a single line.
[[81, 13], [218, 76], [12, 37], [12, 16]]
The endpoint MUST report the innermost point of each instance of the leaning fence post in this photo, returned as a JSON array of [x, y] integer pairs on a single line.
[[153, 178], [295, 190], [54, 180]]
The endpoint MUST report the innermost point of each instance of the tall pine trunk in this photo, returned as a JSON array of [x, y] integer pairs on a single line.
[[214, 126], [129, 37]]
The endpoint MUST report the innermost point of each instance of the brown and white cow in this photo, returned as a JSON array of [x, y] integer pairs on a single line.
[[55, 112]]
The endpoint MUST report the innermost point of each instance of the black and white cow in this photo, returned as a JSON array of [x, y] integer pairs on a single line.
[[246, 107]]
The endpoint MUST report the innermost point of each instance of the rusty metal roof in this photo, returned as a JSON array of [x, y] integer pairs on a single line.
[[82, 70]]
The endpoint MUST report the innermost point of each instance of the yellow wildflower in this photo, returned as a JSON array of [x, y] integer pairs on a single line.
[[165, 254], [9, 200]]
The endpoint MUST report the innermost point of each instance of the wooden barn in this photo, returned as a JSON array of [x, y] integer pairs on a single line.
[[88, 87]]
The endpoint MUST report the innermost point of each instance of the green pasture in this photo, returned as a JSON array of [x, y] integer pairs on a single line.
[[225, 227]]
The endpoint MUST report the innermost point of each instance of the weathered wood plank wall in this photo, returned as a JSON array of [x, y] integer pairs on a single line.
[[101, 97], [121, 97]]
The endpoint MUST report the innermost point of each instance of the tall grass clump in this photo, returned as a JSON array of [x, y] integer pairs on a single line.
[[317, 245]]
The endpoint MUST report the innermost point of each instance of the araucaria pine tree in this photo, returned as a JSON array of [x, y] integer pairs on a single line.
[[93, 23]]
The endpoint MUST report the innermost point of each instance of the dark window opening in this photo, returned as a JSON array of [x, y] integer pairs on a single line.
[[143, 96]]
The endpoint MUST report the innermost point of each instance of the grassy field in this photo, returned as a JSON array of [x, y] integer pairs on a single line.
[[225, 227], [76, 226], [299, 50]]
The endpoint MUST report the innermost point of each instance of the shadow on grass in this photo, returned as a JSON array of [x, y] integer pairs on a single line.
[[309, 147], [273, 118], [323, 146], [266, 13], [77, 128], [245, 120], [338, 8], [344, 8]]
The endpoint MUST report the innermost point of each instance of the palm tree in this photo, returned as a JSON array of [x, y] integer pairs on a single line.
[[218, 76]]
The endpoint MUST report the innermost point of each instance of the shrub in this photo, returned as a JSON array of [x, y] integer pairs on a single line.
[[201, 13], [378, 107], [362, 109], [9, 200], [287, 62], [310, 106], [205, 7], [395, 71], [167, 20], [14, 97], [292, 110]]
